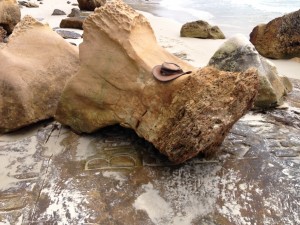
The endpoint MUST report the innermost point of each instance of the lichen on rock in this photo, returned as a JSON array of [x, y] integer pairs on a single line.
[[237, 54]]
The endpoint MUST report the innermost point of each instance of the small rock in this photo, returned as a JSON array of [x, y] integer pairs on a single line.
[[201, 29], [90, 5], [72, 22], [58, 12], [68, 34], [28, 4], [74, 13]]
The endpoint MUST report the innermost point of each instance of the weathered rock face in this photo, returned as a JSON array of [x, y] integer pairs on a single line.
[[201, 29], [10, 15], [237, 54], [280, 38], [90, 5], [34, 67], [115, 86], [2, 34]]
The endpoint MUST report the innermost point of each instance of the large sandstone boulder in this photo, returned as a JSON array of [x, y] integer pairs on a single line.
[[10, 15], [34, 68], [201, 29], [237, 54], [90, 5], [115, 85], [280, 38]]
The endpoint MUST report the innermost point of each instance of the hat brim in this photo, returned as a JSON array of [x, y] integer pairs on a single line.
[[156, 71]]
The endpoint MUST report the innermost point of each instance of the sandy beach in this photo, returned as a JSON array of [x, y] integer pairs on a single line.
[[50, 175]]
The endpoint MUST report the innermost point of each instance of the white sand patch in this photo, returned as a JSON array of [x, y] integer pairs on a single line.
[[158, 210], [66, 205], [186, 195], [18, 135], [53, 145], [17, 158], [85, 147], [115, 175], [234, 202], [167, 32], [45, 10], [253, 117]]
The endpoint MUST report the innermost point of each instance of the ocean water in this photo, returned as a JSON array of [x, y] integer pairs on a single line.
[[232, 16]]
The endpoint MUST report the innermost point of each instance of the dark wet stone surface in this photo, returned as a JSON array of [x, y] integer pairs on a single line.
[[50, 175], [68, 34]]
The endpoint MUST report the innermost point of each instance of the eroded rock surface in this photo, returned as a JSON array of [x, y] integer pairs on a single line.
[[10, 14], [201, 29], [280, 38], [2, 34], [115, 86], [237, 54], [34, 67]]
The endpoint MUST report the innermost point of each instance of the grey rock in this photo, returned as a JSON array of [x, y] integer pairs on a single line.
[[237, 54], [58, 12], [28, 4], [68, 34], [201, 29], [74, 13]]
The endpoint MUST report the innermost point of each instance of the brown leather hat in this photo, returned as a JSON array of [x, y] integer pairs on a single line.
[[168, 71]]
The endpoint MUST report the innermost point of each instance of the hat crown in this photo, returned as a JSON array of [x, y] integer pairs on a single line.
[[170, 66]]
